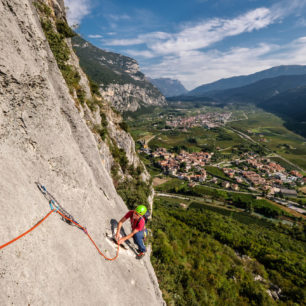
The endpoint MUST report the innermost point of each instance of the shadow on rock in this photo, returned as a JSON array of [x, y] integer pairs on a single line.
[[114, 225]]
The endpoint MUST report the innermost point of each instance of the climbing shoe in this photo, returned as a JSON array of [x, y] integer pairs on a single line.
[[140, 255]]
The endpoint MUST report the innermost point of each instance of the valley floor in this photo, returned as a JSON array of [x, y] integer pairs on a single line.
[[223, 232]]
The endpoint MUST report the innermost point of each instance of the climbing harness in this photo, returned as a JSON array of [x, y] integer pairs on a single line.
[[57, 208]]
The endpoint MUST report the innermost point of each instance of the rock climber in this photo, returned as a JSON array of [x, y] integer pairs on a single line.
[[139, 231]]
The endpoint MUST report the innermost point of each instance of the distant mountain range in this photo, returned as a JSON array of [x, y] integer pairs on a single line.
[[247, 79], [120, 80], [291, 102], [291, 105], [169, 87], [259, 91], [282, 95], [280, 90]]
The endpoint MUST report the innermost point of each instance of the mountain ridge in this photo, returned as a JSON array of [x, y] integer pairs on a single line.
[[260, 90], [118, 76], [169, 87], [239, 81]]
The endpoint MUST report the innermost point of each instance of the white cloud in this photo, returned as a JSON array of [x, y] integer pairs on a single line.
[[95, 36], [119, 17], [194, 68], [77, 10], [209, 32], [287, 7], [200, 35], [301, 40], [124, 42], [187, 55], [142, 53], [149, 38]]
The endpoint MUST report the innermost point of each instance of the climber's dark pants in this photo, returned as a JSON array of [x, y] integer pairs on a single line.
[[138, 240]]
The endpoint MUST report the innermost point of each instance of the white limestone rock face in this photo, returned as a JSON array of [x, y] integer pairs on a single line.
[[44, 138], [120, 80], [129, 97], [123, 139]]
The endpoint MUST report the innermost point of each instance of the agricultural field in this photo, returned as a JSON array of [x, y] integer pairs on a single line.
[[266, 130], [240, 201], [254, 132], [196, 225], [269, 130], [196, 139]]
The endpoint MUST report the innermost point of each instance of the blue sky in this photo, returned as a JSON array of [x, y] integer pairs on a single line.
[[196, 41]]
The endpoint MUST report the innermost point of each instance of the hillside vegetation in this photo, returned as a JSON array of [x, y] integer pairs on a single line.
[[108, 67], [205, 258]]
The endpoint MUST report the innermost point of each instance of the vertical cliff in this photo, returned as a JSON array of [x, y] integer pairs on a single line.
[[51, 131], [120, 80]]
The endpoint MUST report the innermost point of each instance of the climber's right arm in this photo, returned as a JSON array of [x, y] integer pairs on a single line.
[[119, 227]]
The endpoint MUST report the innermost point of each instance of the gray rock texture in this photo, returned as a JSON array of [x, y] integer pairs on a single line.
[[130, 97], [121, 82], [43, 137]]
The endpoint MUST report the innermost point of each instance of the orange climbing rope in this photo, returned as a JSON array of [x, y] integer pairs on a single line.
[[80, 226], [28, 231], [85, 231]]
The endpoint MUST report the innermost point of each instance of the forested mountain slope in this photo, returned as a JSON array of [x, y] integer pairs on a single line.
[[283, 95], [260, 91], [291, 105], [119, 77], [248, 79]]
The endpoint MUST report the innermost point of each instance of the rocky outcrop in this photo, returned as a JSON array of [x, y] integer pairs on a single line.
[[120, 80], [45, 136], [130, 97]]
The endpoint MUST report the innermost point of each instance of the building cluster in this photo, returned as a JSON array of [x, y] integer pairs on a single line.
[[227, 185], [250, 171], [263, 174], [209, 120], [187, 166], [264, 164]]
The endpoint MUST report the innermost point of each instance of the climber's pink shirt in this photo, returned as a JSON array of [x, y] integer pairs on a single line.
[[141, 223]]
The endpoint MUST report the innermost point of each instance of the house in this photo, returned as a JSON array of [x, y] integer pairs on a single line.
[[202, 178], [172, 171], [226, 184], [266, 187], [300, 210], [296, 173], [214, 180], [239, 179], [288, 192], [235, 187], [281, 176], [184, 206], [276, 189]]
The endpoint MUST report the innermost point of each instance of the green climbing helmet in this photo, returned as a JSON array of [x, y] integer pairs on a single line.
[[141, 210]]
